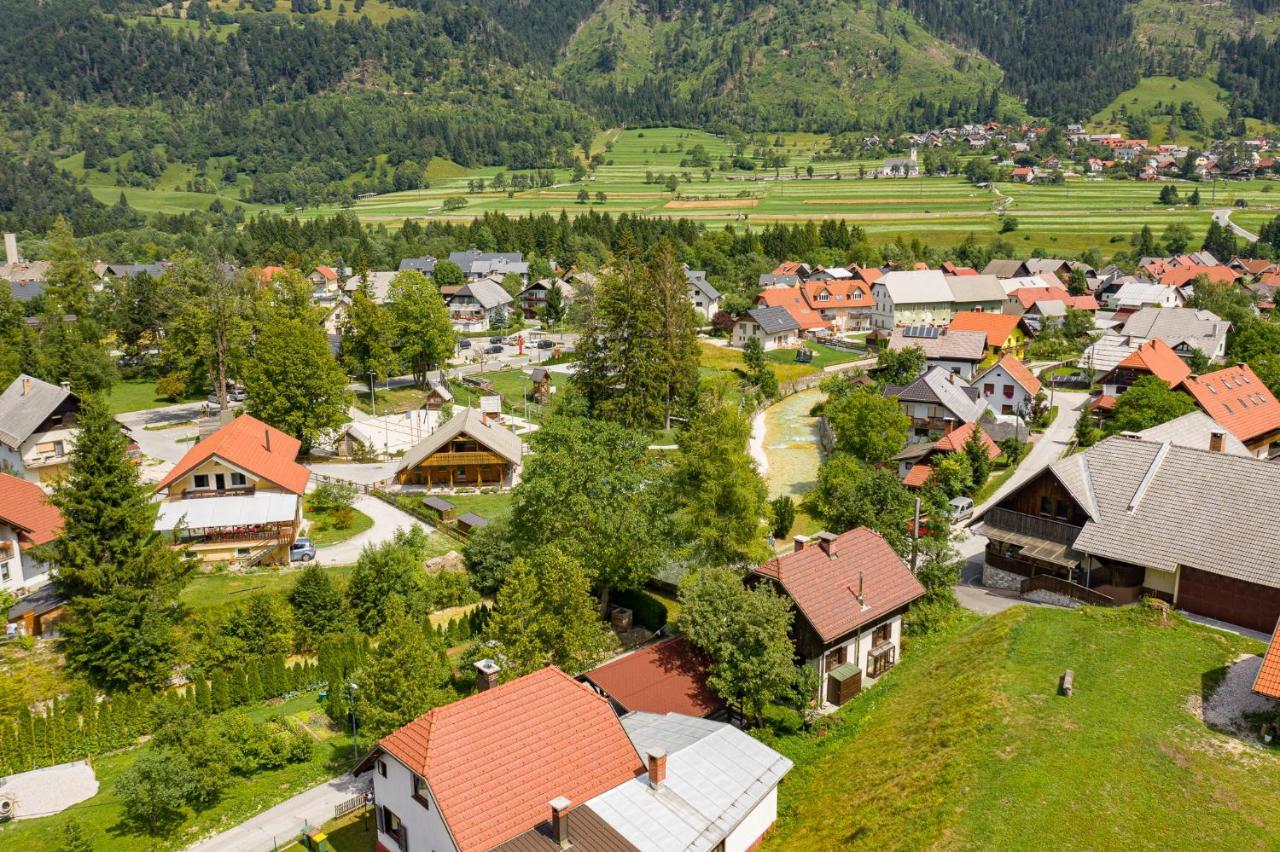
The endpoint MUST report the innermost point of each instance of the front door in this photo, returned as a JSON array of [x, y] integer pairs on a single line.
[[220, 481]]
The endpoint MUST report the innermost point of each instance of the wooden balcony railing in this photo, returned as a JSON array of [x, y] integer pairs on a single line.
[[464, 458], [195, 493], [1031, 525], [1057, 585]]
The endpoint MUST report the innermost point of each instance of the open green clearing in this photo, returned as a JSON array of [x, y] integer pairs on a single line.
[[325, 529], [1082, 213], [491, 506], [206, 591], [137, 395], [101, 817], [967, 743]]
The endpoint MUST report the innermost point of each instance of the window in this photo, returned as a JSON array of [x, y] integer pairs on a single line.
[[988, 389], [59, 449], [4, 572], [390, 825], [382, 768], [1046, 505], [837, 657], [200, 480], [237, 480], [882, 633], [420, 794], [1063, 510], [1008, 391]]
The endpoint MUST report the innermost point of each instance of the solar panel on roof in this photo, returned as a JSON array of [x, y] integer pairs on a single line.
[[928, 332]]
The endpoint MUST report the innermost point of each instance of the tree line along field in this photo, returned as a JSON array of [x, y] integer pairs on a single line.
[[1071, 217]]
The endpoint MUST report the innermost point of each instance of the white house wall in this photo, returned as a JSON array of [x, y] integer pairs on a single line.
[[424, 826], [754, 825]]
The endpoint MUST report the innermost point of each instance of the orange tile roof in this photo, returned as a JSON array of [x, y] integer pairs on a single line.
[[1254, 266], [666, 677], [1016, 370], [269, 272], [1156, 358], [954, 441], [825, 589], [27, 509], [789, 267], [869, 274], [998, 327], [792, 300], [1185, 274], [494, 759], [1237, 398], [1106, 402], [1028, 296], [844, 294], [1268, 680], [918, 476], [252, 445], [327, 272]]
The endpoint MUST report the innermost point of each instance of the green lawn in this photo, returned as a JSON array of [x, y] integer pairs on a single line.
[[323, 532], [391, 400], [968, 745], [491, 506], [137, 395], [213, 590], [101, 817]]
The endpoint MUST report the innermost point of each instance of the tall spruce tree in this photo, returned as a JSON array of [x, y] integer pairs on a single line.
[[403, 677], [677, 330]]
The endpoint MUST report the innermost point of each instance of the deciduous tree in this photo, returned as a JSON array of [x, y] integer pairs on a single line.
[[424, 335], [294, 383]]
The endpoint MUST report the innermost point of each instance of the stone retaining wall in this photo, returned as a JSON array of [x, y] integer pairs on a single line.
[[995, 578]]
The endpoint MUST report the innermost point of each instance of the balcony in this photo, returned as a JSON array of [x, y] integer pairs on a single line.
[[1031, 525], [196, 493], [447, 459]]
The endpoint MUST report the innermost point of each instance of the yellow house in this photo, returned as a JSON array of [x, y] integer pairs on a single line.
[[1005, 334], [236, 496]]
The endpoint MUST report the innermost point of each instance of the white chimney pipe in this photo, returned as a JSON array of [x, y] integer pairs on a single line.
[[11, 249]]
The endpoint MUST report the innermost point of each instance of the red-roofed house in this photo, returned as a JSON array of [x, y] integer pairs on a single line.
[[1152, 358], [1022, 299], [915, 462], [1005, 335], [478, 772], [669, 676], [1186, 274], [792, 300], [793, 267], [1237, 398], [846, 305], [1007, 385], [1268, 680], [324, 278], [236, 495], [268, 273], [26, 519], [850, 592]]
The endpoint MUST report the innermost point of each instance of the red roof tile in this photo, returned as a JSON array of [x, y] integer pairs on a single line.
[[251, 445], [494, 759], [840, 294], [918, 476], [1268, 681], [1106, 402], [1237, 399], [954, 441], [998, 327], [269, 272], [1028, 296], [869, 274], [327, 272], [26, 508], [825, 589], [1185, 274], [792, 300], [1017, 371], [1156, 358], [666, 677]]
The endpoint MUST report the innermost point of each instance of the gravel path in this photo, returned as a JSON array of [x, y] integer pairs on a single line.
[[51, 790], [1235, 697]]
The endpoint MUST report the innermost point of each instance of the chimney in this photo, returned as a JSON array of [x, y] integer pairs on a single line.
[[948, 426], [11, 249], [1216, 440], [657, 768], [800, 541], [486, 675], [827, 541], [560, 821], [66, 386], [26, 385]]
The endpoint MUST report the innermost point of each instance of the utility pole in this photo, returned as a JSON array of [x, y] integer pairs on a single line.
[[355, 746], [915, 537], [373, 400]]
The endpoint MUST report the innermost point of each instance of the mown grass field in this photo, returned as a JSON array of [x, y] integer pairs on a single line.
[[968, 745], [206, 591], [137, 395]]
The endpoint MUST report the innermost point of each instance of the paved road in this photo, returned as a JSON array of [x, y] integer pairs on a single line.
[[1048, 449], [1223, 217], [279, 825], [386, 520]]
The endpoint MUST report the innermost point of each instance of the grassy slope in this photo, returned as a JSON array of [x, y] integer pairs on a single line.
[[968, 745]]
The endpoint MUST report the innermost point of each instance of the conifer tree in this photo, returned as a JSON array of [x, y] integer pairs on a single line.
[[253, 681], [402, 677], [204, 698], [220, 692]]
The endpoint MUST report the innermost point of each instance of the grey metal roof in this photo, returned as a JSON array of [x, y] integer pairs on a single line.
[[537, 374], [1107, 351], [468, 421], [697, 278], [1202, 329], [488, 293], [975, 288], [438, 504], [471, 519], [1161, 505], [768, 279], [947, 345], [1004, 268], [917, 286], [473, 262], [425, 264], [1193, 430], [25, 291], [773, 320], [21, 413], [716, 775], [941, 387]]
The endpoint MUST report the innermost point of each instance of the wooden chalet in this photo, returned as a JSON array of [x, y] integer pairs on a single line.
[[470, 450]]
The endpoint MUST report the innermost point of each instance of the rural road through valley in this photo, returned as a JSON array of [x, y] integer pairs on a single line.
[[1223, 217]]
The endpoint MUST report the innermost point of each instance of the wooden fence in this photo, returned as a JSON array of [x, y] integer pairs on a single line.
[[1057, 585]]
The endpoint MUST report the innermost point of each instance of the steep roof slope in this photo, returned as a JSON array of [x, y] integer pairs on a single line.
[[248, 443]]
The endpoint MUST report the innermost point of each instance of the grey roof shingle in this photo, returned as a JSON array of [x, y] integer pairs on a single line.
[[940, 387], [497, 438], [1201, 329], [488, 293], [22, 413], [948, 345], [1198, 508], [425, 264], [773, 320], [1193, 430]]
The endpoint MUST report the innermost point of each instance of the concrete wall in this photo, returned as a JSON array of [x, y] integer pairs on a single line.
[[424, 826], [754, 825]]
